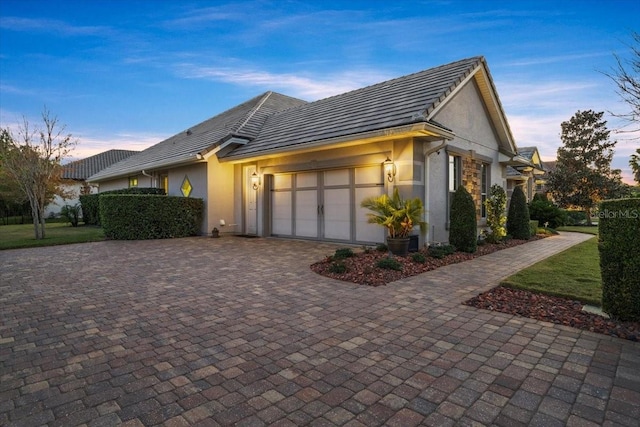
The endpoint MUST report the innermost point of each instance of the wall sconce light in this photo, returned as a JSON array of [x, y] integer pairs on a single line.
[[389, 169], [255, 180]]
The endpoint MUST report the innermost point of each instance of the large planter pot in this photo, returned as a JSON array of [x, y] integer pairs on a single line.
[[399, 246]]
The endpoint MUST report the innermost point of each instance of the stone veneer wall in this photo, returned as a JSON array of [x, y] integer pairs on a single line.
[[472, 181]]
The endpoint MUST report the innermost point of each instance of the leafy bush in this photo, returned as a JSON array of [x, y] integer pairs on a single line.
[[418, 257], [338, 267], [543, 210], [619, 247], [90, 209], [71, 214], [389, 264], [137, 190], [441, 251], [136, 217], [518, 217], [382, 248], [343, 253], [576, 217], [533, 227], [463, 229], [496, 205]]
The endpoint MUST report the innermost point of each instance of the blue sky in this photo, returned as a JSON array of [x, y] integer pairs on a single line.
[[128, 74]]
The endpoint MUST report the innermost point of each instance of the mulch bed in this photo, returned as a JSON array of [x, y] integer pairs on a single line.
[[361, 269], [562, 311]]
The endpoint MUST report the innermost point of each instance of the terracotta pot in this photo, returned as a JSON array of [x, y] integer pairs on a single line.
[[399, 246]]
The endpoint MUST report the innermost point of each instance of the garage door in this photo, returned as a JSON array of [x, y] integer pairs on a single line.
[[325, 205]]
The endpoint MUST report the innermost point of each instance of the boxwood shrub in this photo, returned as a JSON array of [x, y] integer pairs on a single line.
[[619, 247], [90, 209], [463, 229], [518, 216], [90, 206], [146, 216]]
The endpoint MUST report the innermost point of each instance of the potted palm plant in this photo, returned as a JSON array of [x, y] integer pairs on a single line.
[[398, 216]]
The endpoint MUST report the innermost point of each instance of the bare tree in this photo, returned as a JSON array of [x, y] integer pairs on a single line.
[[33, 159], [626, 76]]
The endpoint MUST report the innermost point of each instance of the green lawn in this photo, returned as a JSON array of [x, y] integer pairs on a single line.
[[579, 229], [22, 235], [574, 273]]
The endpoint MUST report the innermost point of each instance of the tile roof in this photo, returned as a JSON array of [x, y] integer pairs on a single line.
[[275, 122], [244, 120], [405, 100], [84, 168]]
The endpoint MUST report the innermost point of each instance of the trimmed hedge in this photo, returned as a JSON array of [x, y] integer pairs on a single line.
[[90, 209], [145, 216], [518, 216], [463, 229], [544, 211], [90, 204], [619, 247]]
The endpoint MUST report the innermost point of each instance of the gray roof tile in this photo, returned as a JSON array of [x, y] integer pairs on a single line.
[[84, 168]]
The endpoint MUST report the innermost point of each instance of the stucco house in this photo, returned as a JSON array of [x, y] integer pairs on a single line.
[[528, 171], [75, 174], [280, 166]]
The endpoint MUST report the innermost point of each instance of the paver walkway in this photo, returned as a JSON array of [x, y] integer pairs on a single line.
[[236, 331]]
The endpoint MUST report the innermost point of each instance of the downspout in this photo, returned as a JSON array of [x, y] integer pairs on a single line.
[[427, 153], [150, 177]]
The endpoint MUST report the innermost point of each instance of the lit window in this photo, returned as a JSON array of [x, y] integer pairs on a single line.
[[164, 183], [484, 188], [133, 182], [186, 187]]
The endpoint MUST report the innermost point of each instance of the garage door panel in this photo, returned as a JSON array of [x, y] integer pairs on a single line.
[[306, 215], [366, 232], [282, 213], [337, 214]]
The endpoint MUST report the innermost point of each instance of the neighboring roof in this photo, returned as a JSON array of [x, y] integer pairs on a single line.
[[527, 152], [273, 122], [244, 121], [82, 169]]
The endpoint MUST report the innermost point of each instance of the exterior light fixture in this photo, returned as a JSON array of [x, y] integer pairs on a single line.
[[389, 169], [255, 180]]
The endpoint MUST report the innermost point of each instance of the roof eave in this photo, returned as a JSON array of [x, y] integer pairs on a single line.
[[148, 167], [417, 129]]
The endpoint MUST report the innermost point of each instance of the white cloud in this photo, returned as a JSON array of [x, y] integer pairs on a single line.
[[294, 85], [50, 26]]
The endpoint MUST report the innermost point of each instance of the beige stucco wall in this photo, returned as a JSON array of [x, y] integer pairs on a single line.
[[466, 115]]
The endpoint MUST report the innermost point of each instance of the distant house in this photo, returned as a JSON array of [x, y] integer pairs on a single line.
[[527, 170], [75, 175], [280, 166]]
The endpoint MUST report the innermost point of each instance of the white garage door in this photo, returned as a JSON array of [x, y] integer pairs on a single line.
[[325, 205]]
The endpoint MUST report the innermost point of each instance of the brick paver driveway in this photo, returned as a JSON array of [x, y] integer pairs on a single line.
[[240, 331]]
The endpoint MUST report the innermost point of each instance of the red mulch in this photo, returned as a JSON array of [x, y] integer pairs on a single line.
[[558, 310], [361, 269]]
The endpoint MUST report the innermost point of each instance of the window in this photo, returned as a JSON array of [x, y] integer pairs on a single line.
[[164, 183], [454, 173], [484, 188], [133, 182]]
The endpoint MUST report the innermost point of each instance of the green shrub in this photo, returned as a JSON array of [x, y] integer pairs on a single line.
[[389, 264], [463, 229], [441, 251], [533, 227], [576, 218], [343, 253], [338, 268], [71, 214], [518, 217], [90, 209], [418, 257], [382, 248], [496, 205], [137, 217], [619, 247], [137, 190], [543, 210]]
